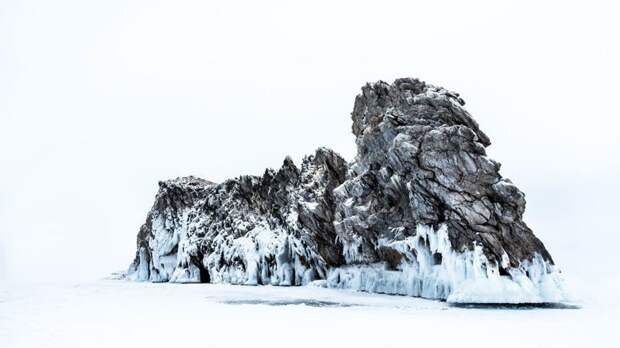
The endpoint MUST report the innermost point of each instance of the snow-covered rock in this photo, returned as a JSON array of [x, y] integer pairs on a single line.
[[421, 211], [275, 229]]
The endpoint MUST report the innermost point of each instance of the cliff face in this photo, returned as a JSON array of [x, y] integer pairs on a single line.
[[421, 211]]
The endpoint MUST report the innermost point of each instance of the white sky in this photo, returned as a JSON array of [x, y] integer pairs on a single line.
[[100, 100]]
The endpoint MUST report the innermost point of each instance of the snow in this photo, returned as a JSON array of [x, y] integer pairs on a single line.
[[118, 313]]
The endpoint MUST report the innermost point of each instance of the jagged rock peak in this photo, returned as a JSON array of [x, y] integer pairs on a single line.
[[420, 211], [410, 101]]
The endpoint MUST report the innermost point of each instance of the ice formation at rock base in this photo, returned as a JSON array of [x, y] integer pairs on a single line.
[[421, 211], [460, 277]]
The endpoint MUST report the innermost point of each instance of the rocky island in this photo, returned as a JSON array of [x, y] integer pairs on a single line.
[[420, 211]]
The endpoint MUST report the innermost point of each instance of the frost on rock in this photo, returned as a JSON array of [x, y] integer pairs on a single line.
[[420, 211]]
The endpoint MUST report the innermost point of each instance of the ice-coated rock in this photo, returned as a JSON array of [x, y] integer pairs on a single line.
[[276, 229], [420, 211]]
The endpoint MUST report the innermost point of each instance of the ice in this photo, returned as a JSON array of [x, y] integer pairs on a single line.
[[430, 268], [117, 313], [266, 256], [437, 271]]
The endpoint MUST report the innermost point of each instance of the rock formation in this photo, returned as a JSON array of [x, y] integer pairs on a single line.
[[421, 211]]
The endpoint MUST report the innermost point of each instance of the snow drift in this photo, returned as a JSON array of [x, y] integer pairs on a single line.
[[420, 211]]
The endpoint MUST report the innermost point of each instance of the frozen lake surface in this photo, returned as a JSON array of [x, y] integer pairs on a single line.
[[116, 313]]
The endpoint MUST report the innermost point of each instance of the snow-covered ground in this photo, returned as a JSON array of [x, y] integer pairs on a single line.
[[118, 313]]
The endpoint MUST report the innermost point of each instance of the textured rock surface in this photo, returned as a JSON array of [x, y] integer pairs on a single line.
[[420, 211], [421, 159]]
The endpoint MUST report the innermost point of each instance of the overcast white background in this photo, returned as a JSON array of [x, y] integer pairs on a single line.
[[100, 100]]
